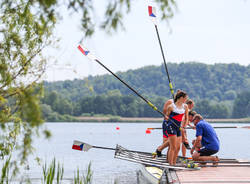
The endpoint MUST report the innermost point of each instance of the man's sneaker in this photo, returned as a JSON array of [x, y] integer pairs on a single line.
[[187, 145]]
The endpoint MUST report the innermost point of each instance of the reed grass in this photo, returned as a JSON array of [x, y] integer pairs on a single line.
[[85, 178], [51, 174], [5, 172], [53, 171]]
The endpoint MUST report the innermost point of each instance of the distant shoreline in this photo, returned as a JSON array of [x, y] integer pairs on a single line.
[[150, 120]]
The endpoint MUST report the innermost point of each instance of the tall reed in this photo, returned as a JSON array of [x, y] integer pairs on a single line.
[[84, 179], [50, 172], [5, 172]]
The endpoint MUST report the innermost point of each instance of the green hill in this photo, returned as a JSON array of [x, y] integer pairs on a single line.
[[219, 91], [214, 82]]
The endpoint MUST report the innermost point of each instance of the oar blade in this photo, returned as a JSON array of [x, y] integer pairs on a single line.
[[152, 14], [248, 127], [86, 52], [81, 146]]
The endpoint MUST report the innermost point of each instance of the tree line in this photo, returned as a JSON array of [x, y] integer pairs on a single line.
[[56, 108], [219, 91], [218, 82]]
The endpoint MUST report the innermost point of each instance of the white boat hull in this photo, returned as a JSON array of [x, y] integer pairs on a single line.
[[152, 175]]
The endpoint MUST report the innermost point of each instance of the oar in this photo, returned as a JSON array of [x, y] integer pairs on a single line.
[[152, 14], [93, 58], [82, 146], [247, 127]]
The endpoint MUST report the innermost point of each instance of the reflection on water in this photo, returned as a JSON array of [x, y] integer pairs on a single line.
[[107, 169]]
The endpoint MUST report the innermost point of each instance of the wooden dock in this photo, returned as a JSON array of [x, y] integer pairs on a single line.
[[228, 174]]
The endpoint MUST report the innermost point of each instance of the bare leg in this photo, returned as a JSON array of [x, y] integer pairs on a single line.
[[167, 155], [196, 156], [178, 145], [172, 148], [164, 144]]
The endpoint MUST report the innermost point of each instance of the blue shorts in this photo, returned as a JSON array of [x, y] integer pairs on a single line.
[[173, 130], [207, 152], [164, 128]]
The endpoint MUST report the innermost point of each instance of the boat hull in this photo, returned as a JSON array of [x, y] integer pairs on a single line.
[[150, 174]]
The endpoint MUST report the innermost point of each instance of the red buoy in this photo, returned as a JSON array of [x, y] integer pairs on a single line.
[[148, 131]]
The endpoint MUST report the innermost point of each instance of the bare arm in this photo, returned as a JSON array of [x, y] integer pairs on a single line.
[[165, 107], [169, 110], [186, 121], [196, 143]]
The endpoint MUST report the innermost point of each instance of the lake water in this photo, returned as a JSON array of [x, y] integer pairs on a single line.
[[107, 169]]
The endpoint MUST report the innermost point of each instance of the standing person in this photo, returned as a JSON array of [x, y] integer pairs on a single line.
[[185, 144], [176, 112], [191, 115], [190, 104], [205, 134], [165, 142]]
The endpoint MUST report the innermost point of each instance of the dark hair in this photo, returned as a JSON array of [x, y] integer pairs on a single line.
[[179, 94], [177, 91], [192, 113]]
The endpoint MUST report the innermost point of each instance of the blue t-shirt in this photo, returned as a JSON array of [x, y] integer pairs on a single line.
[[209, 137]]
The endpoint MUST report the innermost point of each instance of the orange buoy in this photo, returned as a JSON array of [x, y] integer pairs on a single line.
[[148, 131], [117, 128]]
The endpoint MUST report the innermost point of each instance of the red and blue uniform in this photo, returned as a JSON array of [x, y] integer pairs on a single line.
[[164, 128], [174, 122]]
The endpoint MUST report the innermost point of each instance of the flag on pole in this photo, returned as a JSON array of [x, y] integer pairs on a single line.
[[86, 52], [152, 14], [81, 146], [151, 11]]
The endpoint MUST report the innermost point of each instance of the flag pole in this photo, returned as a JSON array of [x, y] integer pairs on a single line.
[[152, 14]]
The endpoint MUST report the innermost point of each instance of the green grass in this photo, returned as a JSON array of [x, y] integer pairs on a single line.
[[85, 178], [51, 174]]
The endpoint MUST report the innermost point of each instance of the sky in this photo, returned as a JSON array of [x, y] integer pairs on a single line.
[[207, 31]]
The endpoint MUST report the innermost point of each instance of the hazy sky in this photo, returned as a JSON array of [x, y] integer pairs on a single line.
[[207, 31]]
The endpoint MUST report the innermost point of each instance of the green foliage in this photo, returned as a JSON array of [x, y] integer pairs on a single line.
[[53, 171], [113, 14], [241, 107], [213, 87], [215, 82], [85, 178], [5, 171], [25, 31], [210, 109]]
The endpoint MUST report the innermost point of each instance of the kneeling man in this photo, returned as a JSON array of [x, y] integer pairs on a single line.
[[206, 135]]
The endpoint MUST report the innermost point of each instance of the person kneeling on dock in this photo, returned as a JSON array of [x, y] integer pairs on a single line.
[[205, 134]]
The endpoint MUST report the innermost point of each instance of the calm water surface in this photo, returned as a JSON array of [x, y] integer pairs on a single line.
[[107, 169]]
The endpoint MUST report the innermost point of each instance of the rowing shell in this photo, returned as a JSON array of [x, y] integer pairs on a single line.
[[145, 159]]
